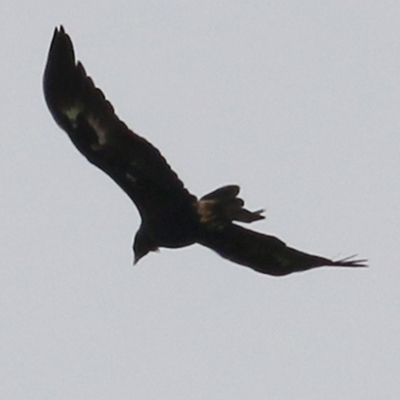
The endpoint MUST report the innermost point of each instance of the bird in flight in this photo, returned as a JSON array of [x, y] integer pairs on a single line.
[[170, 215]]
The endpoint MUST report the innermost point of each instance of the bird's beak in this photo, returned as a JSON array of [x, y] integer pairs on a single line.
[[136, 259]]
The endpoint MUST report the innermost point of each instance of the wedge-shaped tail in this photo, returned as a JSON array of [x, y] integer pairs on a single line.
[[222, 206]]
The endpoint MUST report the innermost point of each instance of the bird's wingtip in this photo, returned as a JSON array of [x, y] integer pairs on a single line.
[[351, 261]]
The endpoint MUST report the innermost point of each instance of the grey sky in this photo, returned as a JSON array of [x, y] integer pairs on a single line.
[[297, 102]]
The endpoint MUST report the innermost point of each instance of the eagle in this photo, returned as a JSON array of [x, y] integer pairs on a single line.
[[171, 216]]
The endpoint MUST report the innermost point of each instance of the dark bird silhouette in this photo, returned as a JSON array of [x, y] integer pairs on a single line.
[[171, 216]]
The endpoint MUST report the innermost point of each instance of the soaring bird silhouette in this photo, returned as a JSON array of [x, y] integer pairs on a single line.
[[171, 216]]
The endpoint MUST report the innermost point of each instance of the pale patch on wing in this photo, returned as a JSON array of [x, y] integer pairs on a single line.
[[100, 130], [72, 114], [130, 177]]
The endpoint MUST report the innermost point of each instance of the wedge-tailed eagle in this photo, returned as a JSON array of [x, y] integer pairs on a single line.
[[171, 216]]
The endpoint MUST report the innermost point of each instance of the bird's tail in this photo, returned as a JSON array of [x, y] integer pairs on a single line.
[[222, 206]]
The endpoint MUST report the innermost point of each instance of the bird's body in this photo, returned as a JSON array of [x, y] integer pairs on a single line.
[[171, 215]]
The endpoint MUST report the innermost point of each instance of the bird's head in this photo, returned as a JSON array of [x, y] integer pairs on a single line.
[[143, 244]]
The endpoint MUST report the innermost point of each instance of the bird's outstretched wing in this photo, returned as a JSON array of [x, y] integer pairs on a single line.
[[265, 254], [83, 112]]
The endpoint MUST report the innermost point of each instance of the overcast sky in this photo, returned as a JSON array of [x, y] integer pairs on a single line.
[[298, 103]]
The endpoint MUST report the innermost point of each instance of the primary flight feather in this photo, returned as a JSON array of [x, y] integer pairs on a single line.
[[171, 216]]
